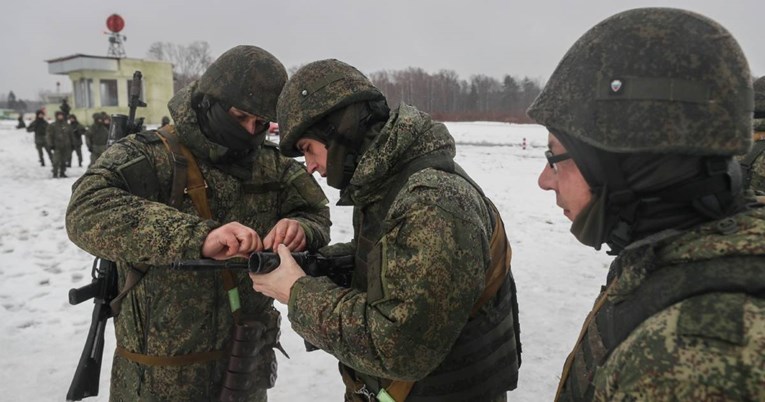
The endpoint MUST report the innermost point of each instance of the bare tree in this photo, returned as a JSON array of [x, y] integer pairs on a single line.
[[189, 62]]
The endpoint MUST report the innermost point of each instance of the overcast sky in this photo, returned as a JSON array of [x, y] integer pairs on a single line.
[[491, 37]]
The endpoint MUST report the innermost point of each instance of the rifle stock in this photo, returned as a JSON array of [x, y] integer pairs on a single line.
[[103, 288]]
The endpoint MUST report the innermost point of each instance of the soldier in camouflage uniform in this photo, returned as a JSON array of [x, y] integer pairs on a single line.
[[77, 131], [40, 126], [422, 236], [645, 113], [58, 138], [753, 163], [97, 135], [174, 329]]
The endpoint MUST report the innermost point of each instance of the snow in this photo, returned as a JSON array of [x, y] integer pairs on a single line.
[[42, 335]]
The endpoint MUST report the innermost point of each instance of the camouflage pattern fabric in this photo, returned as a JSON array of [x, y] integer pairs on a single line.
[[95, 139], [58, 139], [233, 76], [704, 348], [673, 81], [176, 313], [400, 319], [314, 91]]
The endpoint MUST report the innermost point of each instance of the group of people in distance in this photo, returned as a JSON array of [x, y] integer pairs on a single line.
[[648, 115]]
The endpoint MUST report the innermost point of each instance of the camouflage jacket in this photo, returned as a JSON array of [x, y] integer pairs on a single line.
[[77, 131], [96, 135], [402, 316], [753, 165], [710, 346], [174, 313], [39, 127], [58, 136]]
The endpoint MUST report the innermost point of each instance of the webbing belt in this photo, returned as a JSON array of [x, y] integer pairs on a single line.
[[181, 360]]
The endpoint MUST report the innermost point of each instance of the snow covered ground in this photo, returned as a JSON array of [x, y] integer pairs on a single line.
[[41, 335]]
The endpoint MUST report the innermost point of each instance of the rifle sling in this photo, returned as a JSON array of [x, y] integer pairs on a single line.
[[182, 360]]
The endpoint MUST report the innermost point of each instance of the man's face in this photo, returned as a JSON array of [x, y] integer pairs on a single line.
[[253, 124], [572, 193], [315, 153], [60, 117]]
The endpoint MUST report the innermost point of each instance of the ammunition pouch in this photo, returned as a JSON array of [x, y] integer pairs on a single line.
[[251, 362]]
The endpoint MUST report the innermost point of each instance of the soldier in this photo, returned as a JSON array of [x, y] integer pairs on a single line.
[[137, 207], [753, 164], [77, 131], [65, 107], [645, 113], [165, 121], [21, 123], [97, 135], [431, 313], [58, 138], [39, 126]]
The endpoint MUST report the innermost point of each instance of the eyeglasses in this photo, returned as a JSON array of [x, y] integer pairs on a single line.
[[553, 159]]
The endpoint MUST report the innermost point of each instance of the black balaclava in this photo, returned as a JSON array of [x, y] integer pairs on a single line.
[[223, 129], [347, 132], [638, 194]]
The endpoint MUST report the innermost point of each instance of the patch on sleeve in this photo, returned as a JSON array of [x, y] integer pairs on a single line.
[[718, 316], [140, 178]]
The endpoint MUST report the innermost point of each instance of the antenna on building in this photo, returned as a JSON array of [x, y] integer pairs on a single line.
[[115, 23]]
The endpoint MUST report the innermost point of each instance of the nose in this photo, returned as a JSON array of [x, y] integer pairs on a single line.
[[546, 178], [249, 124]]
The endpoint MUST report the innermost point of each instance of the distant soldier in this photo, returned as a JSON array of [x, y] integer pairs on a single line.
[[21, 121], [59, 140], [165, 121], [65, 107], [753, 164], [39, 127], [77, 131], [96, 136]]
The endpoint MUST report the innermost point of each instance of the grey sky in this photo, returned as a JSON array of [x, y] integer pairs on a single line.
[[492, 37]]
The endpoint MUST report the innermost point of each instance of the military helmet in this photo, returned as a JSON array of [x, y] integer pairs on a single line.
[[759, 95], [246, 77], [314, 91], [652, 80]]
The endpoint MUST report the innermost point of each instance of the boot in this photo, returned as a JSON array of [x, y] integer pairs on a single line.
[[55, 175], [62, 175]]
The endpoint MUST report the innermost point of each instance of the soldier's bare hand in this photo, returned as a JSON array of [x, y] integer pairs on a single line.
[[278, 283], [231, 240], [288, 232]]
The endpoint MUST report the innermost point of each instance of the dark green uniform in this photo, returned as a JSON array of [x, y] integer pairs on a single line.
[[40, 126], [78, 130], [58, 138], [174, 313], [95, 140]]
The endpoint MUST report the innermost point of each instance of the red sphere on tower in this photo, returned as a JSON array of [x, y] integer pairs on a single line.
[[115, 23]]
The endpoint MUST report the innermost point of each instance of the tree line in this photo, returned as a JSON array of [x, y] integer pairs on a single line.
[[443, 95], [448, 98]]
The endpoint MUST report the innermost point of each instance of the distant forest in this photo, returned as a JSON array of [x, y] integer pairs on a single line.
[[446, 97]]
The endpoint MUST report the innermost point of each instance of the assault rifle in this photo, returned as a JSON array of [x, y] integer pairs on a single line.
[[103, 288], [338, 269]]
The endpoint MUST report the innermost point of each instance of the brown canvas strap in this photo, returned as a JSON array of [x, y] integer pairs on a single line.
[[182, 360], [501, 254], [188, 177], [585, 327], [134, 276]]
